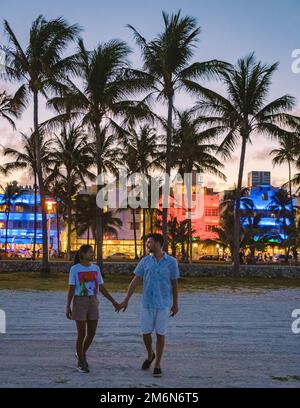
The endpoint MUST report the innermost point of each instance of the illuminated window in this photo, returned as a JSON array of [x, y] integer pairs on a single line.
[[209, 228], [211, 212]]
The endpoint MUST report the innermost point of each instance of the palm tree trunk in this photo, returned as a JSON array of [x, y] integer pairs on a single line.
[[290, 191], [69, 226], [99, 211], [95, 241], [35, 216], [237, 219], [57, 230], [151, 221], [144, 231], [168, 171], [190, 243], [45, 264], [188, 189], [134, 233], [6, 231], [88, 236]]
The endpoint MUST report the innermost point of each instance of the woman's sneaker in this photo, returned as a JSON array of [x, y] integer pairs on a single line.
[[157, 372], [76, 355], [83, 367]]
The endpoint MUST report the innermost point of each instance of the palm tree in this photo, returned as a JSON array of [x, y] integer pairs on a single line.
[[244, 113], [11, 107], [281, 205], [39, 67], [72, 159], [10, 193], [178, 233], [225, 231], [253, 235], [167, 68], [141, 155], [286, 153], [107, 83], [55, 188], [86, 218], [193, 150], [26, 159]]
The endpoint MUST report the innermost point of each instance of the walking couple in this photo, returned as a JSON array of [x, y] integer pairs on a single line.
[[159, 273]]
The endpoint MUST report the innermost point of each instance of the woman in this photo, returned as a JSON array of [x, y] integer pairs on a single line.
[[84, 281]]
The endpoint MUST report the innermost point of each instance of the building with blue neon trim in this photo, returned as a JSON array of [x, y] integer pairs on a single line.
[[20, 232]]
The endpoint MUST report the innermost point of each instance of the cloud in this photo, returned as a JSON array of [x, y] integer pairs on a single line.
[[278, 181], [297, 111], [262, 154]]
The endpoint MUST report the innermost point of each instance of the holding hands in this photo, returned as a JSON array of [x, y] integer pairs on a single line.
[[121, 306]]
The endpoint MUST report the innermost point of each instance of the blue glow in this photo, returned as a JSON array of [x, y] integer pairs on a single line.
[[24, 198], [268, 222], [262, 197], [23, 216]]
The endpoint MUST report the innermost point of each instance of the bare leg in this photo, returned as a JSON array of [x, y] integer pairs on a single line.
[[160, 344], [90, 334], [148, 343], [81, 333]]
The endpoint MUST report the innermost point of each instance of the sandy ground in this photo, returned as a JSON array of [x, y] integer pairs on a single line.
[[219, 339]]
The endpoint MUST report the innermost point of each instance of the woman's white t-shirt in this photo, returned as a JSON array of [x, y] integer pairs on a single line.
[[86, 279]]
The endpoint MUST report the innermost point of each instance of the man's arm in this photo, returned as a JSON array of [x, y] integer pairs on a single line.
[[71, 293], [131, 288], [174, 308]]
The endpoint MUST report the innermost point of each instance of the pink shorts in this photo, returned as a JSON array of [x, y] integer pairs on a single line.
[[85, 308]]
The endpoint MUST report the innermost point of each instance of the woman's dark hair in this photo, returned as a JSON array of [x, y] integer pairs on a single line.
[[82, 250], [156, 237]]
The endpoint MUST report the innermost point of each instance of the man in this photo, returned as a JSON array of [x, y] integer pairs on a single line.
[[160, 274]]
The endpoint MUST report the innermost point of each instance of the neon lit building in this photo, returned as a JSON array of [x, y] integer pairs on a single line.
[[20, 231], [261, 193], [202, 225]]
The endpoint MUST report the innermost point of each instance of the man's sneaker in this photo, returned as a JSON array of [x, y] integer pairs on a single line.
[[83, 368], [157, 372], [147, 363]]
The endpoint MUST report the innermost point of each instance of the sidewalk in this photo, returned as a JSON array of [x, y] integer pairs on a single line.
[[219, 339]]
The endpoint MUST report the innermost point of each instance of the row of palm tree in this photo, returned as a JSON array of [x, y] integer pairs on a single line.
[[101, 91], [254, 235]]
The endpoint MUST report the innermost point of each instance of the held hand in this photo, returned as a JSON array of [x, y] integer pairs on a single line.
[[69, 312], [124, 305], [174, 310], [117, 306]]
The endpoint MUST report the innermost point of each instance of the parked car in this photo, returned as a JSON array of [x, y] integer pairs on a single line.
[[118, 256], [280, 258], [210, 258]]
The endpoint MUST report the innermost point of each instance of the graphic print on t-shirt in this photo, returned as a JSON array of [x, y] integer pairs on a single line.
[[88, 282]]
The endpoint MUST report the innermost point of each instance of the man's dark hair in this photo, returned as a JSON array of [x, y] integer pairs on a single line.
[[156, 237]]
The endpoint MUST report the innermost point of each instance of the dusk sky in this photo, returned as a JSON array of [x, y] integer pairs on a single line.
[[230, 29]]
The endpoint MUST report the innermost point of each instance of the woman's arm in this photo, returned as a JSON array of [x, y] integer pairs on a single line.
[[109, 297], [71, 293]]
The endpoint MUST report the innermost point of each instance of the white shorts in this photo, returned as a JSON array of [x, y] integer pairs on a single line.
[[154, 320]]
